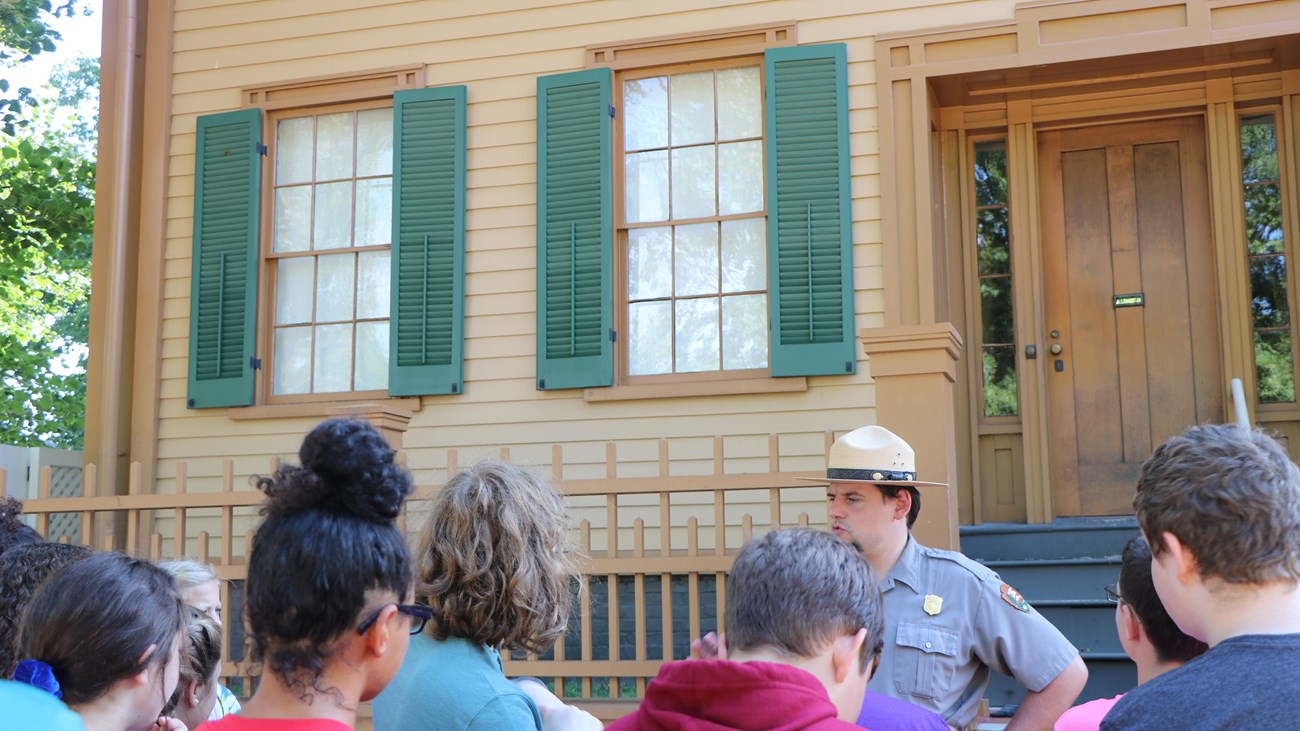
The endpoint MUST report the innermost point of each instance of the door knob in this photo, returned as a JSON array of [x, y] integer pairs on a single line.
[[1055, 348]]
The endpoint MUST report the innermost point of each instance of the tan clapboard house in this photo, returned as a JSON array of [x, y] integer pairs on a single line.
[[668, 250]]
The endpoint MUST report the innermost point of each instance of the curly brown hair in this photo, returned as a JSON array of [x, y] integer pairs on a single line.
[[1232, 496], [492, 559]]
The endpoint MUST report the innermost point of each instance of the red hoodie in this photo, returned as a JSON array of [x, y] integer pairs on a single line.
[[718, 695]]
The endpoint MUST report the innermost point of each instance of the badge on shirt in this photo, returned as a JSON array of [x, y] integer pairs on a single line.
[[1014, 598], [933, 604]]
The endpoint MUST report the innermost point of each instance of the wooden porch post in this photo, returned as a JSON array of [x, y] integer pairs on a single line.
[[914, 367]]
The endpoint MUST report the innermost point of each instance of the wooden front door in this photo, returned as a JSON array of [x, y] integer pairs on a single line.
[[1129, 298]]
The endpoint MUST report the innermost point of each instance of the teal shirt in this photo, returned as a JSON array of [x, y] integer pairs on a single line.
[[456, 685]]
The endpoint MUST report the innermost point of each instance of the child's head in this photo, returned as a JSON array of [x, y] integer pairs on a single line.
[[198, 583], [200, 665], [107, 624], [492, 559], [1231, 496], [1137, 594], [22, 571], [328, 556], [803, 594]]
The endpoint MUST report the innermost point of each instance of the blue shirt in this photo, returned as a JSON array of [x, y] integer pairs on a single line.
[[28, 707], [454, 685]]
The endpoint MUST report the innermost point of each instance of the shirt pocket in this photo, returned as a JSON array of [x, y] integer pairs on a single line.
[[924, 660]]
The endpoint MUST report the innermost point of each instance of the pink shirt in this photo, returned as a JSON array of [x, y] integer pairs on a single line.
[[1086, 717]]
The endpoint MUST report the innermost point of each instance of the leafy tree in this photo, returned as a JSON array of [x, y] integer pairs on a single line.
[[47, 176], [24, 33]]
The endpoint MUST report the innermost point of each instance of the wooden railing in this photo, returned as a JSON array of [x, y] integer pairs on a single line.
[[656, 550]]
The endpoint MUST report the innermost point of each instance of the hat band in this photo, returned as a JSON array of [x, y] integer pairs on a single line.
[[836, 473]]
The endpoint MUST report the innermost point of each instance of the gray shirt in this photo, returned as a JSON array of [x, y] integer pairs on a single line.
[[1244, 682], [947, 621]]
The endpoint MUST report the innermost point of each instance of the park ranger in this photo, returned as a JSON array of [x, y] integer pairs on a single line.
[[948, 619]]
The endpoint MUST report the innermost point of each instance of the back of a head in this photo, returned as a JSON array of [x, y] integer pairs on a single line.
[[95, 620], [200, 655], [329, 538], [188, 572], [795, 590], [1232, 496], [13, 531], [22, 571], [492, 559], [1139, 592]]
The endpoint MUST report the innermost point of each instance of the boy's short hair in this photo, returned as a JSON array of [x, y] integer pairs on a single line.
[[1229, 494], [1138, 591], [798, 589]]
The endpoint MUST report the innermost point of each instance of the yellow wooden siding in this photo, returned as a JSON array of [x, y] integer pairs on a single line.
[[220, 49]]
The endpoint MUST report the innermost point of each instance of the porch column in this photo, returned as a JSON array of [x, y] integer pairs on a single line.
[[914, 367]]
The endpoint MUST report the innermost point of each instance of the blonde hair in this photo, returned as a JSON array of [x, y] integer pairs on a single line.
[[200, 655], [189, 573], [492, 559]]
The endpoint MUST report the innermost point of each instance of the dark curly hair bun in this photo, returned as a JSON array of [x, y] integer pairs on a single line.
[[348, 467], [13, 531]]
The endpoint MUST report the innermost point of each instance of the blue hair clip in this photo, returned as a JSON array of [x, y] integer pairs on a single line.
[[38, 675]]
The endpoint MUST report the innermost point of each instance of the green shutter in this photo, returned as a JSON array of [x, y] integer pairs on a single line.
[[810, 243], [223, 281], [574, 231], [426, 340]]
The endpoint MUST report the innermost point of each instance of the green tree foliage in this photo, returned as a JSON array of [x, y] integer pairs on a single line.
[[23, 34], [47, 177]]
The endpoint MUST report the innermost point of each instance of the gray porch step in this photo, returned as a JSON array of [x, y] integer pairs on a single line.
[[1076, 580], [1060, 539], [1061, 568]]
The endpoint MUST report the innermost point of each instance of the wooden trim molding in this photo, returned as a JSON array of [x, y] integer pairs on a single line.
[[914, 368], [719, 387], [697, 46], [391, 416], [334, 88]]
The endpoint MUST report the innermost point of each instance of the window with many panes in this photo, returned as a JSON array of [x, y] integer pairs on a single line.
[[993, 269], [1266, 256], [693, 220], [328, 254]]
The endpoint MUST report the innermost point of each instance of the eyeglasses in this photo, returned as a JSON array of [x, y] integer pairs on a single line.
[[419, 614], [1112, 593]]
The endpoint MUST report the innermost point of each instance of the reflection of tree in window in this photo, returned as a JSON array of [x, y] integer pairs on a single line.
[[1266, 256], [694, 221], [993, 259]]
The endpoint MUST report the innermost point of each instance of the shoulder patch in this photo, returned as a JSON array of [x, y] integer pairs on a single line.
[[1014, 598]]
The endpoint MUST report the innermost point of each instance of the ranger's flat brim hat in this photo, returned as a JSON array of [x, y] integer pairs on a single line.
[[872, 454]]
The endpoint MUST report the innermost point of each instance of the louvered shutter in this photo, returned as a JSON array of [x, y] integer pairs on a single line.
[[223, 278], [574, 231], [426, 340], [810, 245]]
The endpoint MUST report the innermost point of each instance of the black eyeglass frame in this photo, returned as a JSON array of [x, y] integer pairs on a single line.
[[1112, 593], [420, 614]]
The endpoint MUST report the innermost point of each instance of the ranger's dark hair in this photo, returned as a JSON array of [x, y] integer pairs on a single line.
[[891, 492], [1138, 591], [1232, 496], [795, 590], [329, 538], [95, 619]]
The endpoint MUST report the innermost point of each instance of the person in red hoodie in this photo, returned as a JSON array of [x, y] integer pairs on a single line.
[[804, 625]]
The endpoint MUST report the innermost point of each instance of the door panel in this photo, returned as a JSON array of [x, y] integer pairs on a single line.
[[1124, 212]]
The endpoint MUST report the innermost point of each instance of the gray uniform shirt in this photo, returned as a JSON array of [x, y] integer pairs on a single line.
[[940, 659]]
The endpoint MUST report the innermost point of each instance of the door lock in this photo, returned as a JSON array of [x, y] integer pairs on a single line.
[[1055, 348]]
